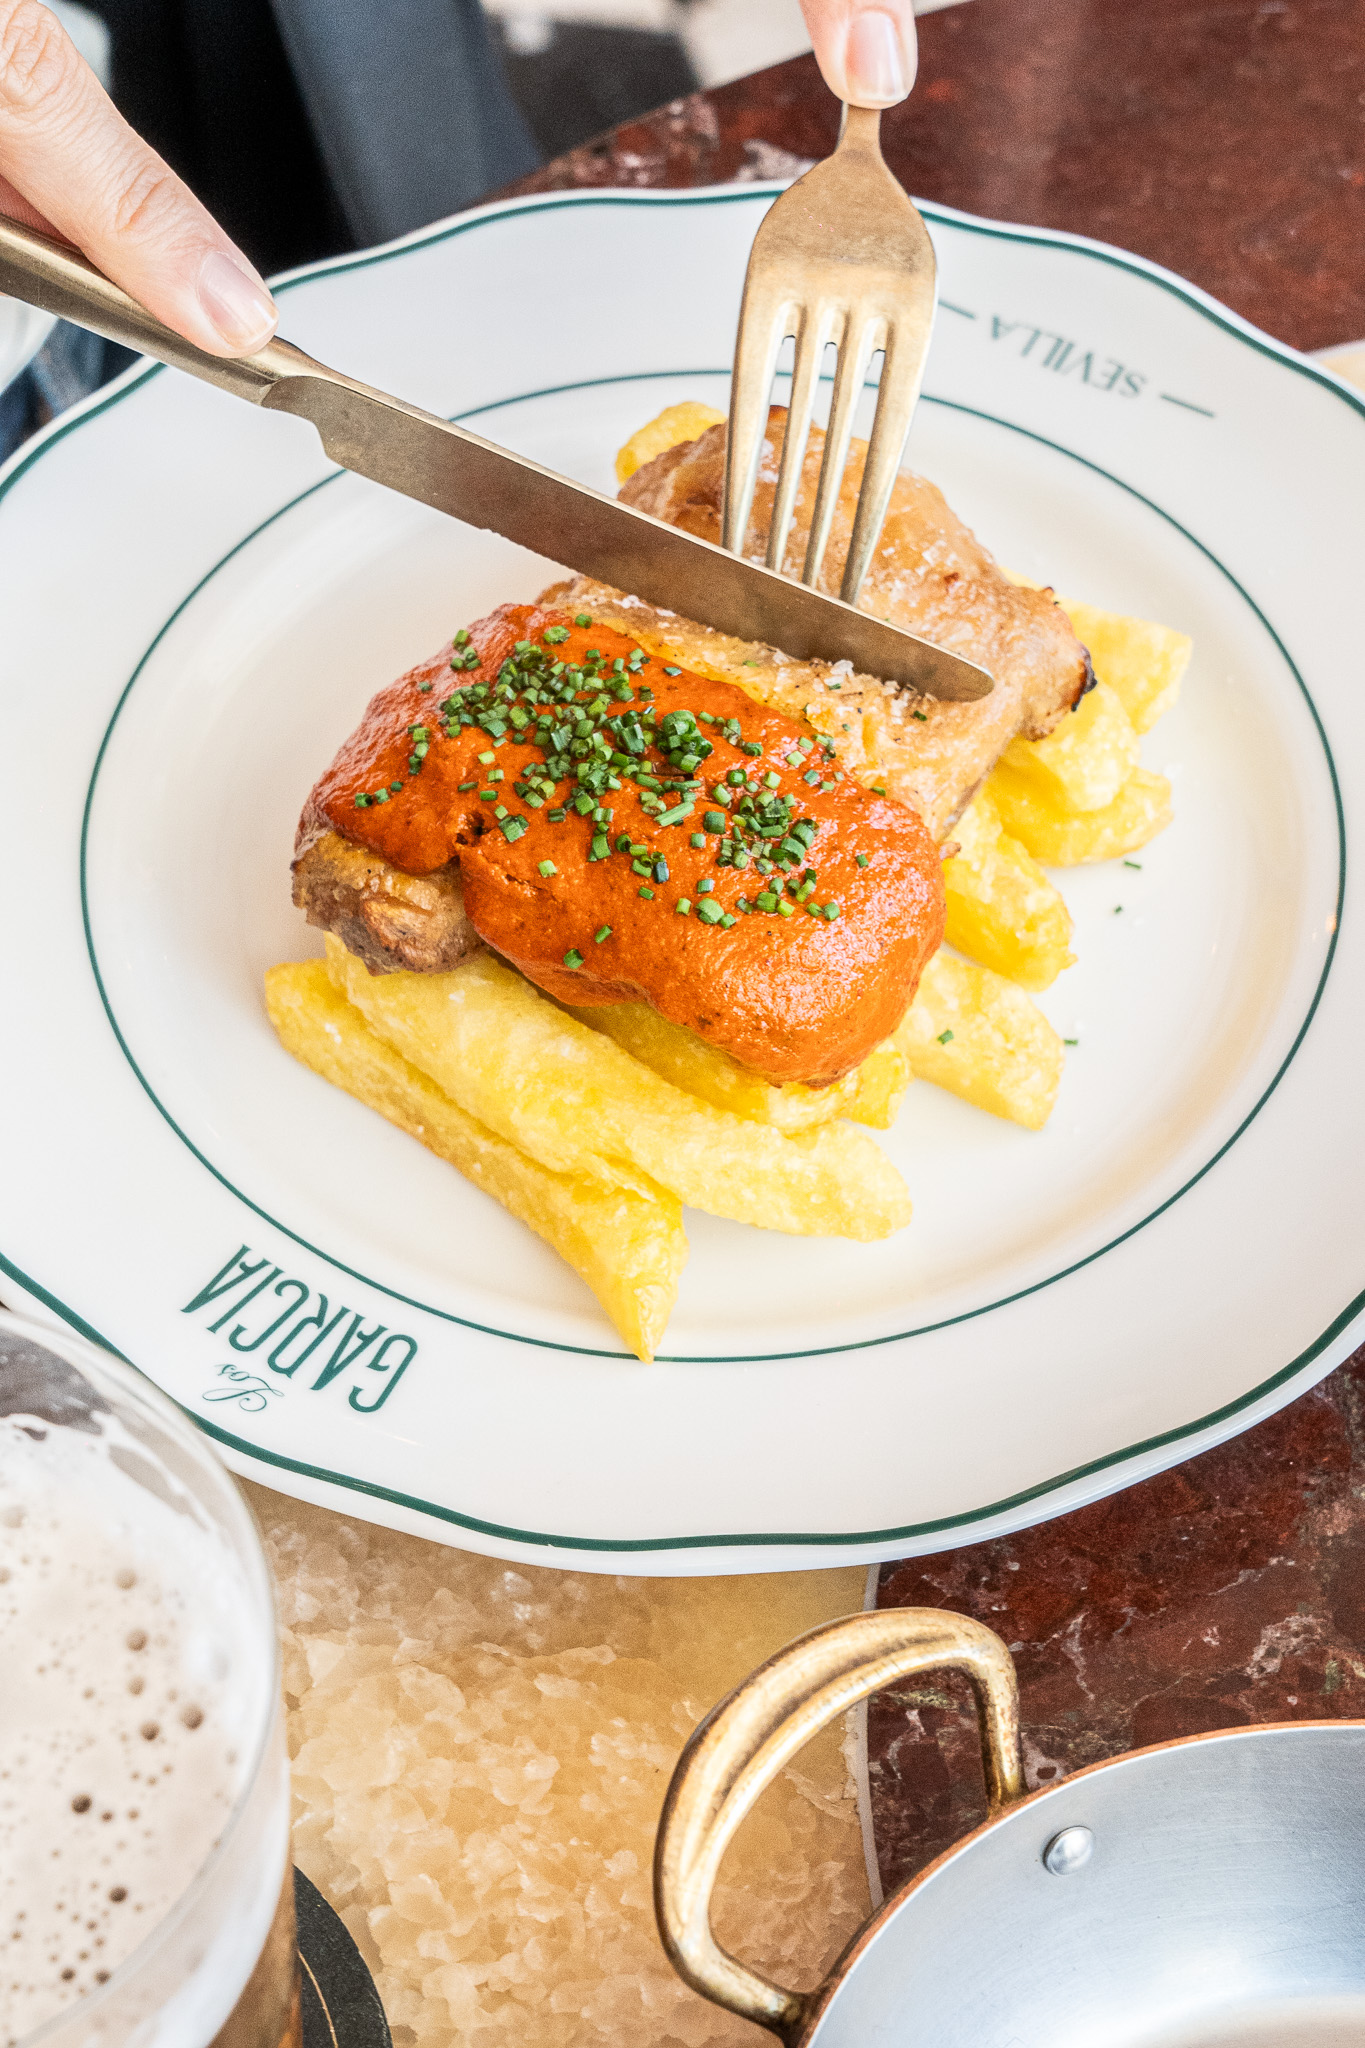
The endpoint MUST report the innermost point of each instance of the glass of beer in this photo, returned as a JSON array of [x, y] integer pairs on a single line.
[[146, 1896]]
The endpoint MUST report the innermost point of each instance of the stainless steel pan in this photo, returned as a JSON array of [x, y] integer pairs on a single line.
[[1203, 1894]]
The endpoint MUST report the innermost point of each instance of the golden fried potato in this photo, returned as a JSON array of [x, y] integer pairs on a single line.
[[1002, 909], [675, 423], [1141, 809], [629, 1246], [882, 1080], [976, 1034], [1141, 663], [703, 1070], [580, 1104], [1086, 759]]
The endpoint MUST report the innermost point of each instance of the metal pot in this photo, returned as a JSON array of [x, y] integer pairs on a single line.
[[1208, 1893]]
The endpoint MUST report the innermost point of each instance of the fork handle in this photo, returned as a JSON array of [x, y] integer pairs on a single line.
[[860, 128]]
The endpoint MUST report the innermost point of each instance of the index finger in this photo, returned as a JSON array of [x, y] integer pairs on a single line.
[[75, 164], [866, 53]]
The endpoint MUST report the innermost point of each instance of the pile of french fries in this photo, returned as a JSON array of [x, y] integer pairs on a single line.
[[575, 1120], [596, 1126]]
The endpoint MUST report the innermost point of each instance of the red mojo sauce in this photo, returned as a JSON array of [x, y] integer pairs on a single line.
[[628, 831]]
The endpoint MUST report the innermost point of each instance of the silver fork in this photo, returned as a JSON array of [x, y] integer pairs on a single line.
[[841, 257]]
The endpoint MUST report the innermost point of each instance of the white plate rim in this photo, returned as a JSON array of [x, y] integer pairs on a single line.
[[1178, 1442]]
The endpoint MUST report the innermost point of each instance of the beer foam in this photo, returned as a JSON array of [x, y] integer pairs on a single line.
[[131, 1701]]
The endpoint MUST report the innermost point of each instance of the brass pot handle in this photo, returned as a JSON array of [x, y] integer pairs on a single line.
[[746, 1740]]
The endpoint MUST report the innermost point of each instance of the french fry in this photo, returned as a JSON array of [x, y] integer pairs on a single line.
[[871, 1094], [629, 1246], [1087, 757], [1002, 909], [1141, 809], [675, 423], [1143, 664], [580, 1104], [882, 1081], [977, 1035], [679, 1056]]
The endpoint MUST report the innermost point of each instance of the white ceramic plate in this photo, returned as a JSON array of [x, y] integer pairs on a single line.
[[196, 610], [23, 330]]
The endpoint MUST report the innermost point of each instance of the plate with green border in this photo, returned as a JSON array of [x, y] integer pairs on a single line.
[[197, 608]]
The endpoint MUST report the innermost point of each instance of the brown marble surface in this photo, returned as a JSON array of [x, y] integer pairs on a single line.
[[1225, 138], [1230, 1590]]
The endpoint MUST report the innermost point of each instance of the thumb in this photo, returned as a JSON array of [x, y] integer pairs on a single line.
[[866, 53], [70, 157]]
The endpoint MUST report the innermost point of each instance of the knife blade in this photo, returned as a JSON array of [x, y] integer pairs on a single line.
[[475, 481]]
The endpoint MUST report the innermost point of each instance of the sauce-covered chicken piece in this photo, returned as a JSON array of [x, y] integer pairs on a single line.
[[623, 830]]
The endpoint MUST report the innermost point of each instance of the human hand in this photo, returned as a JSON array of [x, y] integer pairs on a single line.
[[71, 165], [867, 53]]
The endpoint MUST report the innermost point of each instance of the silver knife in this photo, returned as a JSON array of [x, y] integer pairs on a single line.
[[474, 480]]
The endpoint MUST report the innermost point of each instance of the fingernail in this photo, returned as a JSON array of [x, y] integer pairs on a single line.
[[237, 304], [874, 62]]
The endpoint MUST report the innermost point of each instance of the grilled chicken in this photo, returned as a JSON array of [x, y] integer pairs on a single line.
[[625, 831], [387, 918], [929, 574]]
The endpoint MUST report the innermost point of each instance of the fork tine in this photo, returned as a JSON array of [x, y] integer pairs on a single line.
[[767, 316], [856, 350], [896, 400], [814, 332]]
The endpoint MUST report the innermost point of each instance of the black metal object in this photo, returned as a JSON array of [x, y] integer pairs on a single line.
[[341, 2007]]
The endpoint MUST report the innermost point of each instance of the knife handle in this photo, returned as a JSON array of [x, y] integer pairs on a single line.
[[58, 279]]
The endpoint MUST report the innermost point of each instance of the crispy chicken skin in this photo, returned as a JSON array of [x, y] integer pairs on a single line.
[[387, 918], [929, 574]]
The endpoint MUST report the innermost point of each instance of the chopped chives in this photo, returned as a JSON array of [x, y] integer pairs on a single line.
[[645, 892], [547, 867], [603, 932], [945, 1037], [698, 838], [682, 906], [861, 859], [573, 958]]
